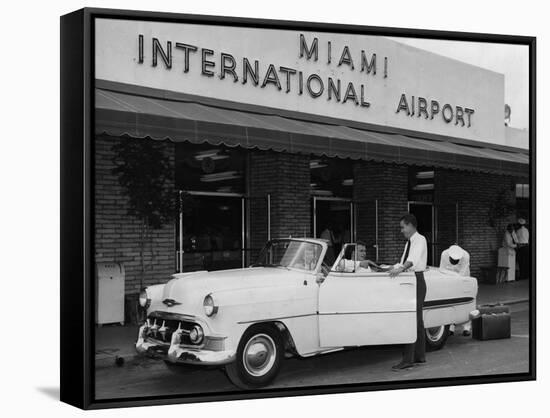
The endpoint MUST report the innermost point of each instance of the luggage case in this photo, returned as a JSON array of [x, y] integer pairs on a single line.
[[493, 322]]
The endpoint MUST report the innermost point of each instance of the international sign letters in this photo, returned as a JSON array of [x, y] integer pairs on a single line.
[[287, 79], [223, 65]]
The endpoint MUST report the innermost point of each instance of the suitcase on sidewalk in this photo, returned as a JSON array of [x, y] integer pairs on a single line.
[[494, 322]]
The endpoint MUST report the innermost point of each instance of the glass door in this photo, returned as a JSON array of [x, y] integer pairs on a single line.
[[424, 212], [446, 228], [333, 220], [258, 226], [210, 231], [366, 221]]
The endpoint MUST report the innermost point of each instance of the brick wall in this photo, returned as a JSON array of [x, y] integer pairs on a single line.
[[286, 177], [387, 183], [474, 192], [117, 234]]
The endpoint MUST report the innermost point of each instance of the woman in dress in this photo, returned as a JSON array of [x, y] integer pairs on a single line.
[[507, 255]]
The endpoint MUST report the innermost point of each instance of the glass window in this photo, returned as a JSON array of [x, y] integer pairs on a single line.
[[522, 191], [207, 168], [211, 223], [331, 177], [421, 184], [290, 253], [212, 232]]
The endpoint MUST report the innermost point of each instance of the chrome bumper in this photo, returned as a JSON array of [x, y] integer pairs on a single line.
[[175, 352]]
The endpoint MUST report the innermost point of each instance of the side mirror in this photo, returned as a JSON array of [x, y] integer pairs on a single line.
[[319, 278]]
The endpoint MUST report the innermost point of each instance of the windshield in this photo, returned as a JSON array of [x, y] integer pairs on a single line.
[[290, 254]]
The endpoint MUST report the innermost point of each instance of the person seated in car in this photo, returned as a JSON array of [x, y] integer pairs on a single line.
[[362, 265]]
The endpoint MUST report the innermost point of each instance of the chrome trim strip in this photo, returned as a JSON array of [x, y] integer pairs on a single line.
[[363, 313], [318, 314], [174, 316], [277, 318], [448, 302], [448, 305]]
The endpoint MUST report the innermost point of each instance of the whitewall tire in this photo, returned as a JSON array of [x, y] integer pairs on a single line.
[[436, 337], [258, 358]]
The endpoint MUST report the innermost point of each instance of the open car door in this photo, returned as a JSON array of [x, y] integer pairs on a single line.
[[366, 308]]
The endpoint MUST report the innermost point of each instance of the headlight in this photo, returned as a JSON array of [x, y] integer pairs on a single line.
[[210, 307], [196, 334], [144, 300]]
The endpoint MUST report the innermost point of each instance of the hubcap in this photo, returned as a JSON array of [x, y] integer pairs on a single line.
[[435, 333], [259, 355]]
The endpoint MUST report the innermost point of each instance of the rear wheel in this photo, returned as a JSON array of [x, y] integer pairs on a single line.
[[258, 357], [436, 337]]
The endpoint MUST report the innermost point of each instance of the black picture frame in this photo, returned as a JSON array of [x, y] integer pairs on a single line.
[[77, 210]]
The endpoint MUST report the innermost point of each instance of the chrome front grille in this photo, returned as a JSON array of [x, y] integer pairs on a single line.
[[162, 326]]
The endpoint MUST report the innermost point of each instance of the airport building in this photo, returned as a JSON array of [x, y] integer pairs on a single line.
[[267, 133]]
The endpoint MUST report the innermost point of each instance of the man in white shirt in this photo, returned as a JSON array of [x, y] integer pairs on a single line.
[[415, 256], [456, 260], [522, 234]]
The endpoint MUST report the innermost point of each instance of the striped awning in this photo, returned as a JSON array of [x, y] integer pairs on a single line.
[[120, 113]]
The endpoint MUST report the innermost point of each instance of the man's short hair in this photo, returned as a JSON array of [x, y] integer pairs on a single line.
[[410, 219], [361, 243]]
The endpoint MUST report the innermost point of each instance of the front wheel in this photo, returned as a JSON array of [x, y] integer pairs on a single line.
[[258, 358], [436, 337]]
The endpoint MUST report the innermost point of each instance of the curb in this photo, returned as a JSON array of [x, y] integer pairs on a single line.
[[507, 302], [514, 301]]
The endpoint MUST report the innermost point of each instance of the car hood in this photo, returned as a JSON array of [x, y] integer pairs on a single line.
[[217, 281], [188, 290]]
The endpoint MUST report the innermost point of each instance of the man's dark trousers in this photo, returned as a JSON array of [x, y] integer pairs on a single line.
[[523, 261], [417, 350]]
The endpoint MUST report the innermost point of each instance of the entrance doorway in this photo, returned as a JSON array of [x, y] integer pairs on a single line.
[[210, 232], [424, 213], [333, 219]]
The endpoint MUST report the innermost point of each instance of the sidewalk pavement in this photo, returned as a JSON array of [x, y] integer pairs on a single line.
[[505, 293], [115, 341]]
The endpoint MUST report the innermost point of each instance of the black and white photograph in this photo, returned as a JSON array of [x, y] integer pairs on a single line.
[[286, 208], [281, 208]]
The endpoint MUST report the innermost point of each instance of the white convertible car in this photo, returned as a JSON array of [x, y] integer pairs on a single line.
[[290, 303]]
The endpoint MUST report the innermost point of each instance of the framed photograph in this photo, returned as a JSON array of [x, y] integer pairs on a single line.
[[259, 208]]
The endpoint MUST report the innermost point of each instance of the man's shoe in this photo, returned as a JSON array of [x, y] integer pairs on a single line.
[[402, 366], [423, 360]]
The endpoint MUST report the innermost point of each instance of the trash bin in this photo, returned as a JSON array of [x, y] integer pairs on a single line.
[[109, 293]]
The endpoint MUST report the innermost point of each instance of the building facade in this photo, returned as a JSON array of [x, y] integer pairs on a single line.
[[338, 135]]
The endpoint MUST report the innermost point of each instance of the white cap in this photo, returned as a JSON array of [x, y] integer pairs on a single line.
[[521, 221], [455, 252]]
